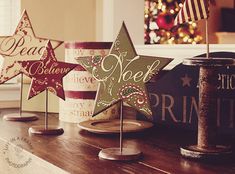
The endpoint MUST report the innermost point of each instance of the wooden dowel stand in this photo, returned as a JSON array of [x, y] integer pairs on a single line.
[[206, 147], [120, 153], [46, 129], [21, 117]]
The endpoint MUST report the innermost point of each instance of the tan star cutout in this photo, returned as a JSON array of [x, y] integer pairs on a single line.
[[122, 75], [21, 46]]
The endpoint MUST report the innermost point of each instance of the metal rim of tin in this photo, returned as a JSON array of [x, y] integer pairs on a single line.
[[88, 45], [211, 62]]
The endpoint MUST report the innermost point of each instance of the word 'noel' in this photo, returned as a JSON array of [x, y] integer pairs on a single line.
[[125, 72]]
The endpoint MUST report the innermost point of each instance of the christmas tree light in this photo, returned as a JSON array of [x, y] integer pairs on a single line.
[[159, 24]]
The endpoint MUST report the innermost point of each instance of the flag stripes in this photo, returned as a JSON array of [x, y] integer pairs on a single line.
[[192, 10]]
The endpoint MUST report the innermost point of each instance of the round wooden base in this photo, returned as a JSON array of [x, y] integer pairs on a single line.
[[206, 119], [24, 117], [114, 154], [194, 152], [41, 130]]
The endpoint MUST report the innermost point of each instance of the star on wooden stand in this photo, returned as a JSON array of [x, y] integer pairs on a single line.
[[122, 75], [206, 148], [47, 75], [22, 45]]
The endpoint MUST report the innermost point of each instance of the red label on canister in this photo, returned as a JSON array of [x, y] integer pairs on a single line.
[[79, 85]]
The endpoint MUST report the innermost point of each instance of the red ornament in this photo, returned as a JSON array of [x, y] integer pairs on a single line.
[[165, 21]]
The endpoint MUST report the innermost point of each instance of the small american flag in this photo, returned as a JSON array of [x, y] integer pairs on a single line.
[[192, 10]]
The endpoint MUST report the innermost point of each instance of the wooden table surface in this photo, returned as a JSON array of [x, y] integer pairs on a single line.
[[76, 151]]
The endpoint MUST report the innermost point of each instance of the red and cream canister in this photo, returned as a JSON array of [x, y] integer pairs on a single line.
[[80, 87]]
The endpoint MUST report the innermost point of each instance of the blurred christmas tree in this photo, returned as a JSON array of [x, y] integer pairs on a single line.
[[159, 24]]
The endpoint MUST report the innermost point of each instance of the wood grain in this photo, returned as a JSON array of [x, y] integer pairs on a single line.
[[76, 151]]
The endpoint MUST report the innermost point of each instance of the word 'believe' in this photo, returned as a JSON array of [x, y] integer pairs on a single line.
[[39, 68]]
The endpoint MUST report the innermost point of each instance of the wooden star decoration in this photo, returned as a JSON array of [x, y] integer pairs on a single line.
[[22, 45], [46, 73], [122, 75]]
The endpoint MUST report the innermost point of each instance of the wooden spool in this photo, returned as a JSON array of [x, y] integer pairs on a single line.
[[206, 147]]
